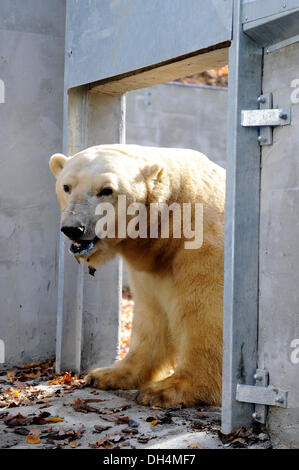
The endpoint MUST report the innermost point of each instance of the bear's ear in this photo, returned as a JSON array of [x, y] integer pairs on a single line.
[[154, 171], [57, 162]]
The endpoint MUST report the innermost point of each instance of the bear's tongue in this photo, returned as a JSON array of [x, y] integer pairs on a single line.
[[83, 247]]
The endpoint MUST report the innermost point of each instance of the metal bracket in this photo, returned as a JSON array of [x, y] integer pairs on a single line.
[[265, 118], [262, 395]]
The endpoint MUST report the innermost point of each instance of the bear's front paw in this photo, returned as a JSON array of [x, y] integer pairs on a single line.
[[110, 378], [174, 391], [167, 393]]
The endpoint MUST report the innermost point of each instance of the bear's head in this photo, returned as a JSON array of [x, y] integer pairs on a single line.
[[91, 183]]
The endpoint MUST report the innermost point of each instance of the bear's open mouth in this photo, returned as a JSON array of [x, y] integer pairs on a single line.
[[83, 247]]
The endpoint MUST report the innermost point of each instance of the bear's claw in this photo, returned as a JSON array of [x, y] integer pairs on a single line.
[[110, 378], [142, 399]]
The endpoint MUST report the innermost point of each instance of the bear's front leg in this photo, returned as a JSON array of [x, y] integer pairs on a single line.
[[197, 377], [148, 357]]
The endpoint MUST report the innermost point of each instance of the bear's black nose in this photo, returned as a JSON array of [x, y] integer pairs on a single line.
[[74, 233]]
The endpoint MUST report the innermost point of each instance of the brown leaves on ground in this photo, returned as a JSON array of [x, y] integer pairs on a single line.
[[143, 439], [20, 420], [20, 392], [71, 437], [20, 423], [239, 438], [82, 405], [32, 371], [25, 395], [64, 379], [99, 429], [165, 418], [110, 441]]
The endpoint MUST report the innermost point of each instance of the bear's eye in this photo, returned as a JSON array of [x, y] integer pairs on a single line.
[[105, 192], [66, 188]]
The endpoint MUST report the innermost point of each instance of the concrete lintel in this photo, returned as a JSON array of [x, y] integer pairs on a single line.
[[160, 73], [111, 38]]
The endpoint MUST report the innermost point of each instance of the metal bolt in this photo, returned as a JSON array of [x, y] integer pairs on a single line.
[[279, 399], [261, 140], [261, 99], [69, 53], [256, 416], [283, 116], [258, 377]]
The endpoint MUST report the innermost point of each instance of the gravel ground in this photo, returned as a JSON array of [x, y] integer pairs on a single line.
[[64, 417]]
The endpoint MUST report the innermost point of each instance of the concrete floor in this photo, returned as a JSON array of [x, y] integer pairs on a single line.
[[183, 428]]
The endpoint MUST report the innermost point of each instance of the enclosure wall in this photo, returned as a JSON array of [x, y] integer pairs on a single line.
[[179, 115], [279, 254], [31, 68]]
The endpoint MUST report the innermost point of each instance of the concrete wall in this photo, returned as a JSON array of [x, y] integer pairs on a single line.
[[279, 252], [178, 115], [31, 67]]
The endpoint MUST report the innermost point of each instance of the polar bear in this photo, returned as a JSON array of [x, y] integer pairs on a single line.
[[178, 290]]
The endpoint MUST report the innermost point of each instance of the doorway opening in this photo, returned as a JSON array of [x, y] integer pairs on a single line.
[[188, 112]]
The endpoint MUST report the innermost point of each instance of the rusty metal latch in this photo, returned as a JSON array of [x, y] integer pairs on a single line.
[[265, 118], [262, 395]]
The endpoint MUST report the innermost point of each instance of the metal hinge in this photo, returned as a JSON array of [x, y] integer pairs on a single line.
[[262, 395], [265, 118]]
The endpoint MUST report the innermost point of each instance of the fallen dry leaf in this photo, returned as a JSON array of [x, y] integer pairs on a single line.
[[193, 445], [144, 439], [55, 419], [98, 429], [82, 406], [74, 444], [154, 422], [33, 438], [66, 378], [108, 441], [18, 420]]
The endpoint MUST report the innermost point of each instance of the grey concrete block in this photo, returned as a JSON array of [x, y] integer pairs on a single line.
[[31, 66]]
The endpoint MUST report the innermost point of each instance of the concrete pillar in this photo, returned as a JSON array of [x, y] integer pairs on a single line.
[[89, 307], [102, 293]]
